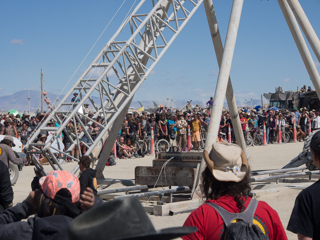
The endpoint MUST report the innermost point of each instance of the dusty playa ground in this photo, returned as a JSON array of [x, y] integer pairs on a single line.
[[279, 196]]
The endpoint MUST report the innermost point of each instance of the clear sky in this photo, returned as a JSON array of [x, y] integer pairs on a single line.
[[56, 36]]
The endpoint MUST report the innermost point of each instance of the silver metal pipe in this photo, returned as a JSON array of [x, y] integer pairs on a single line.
[[253, 173], [301, 44], [305, 26], [264, 179], [124, 189], [218, 47], [224, 74], [147, 194]]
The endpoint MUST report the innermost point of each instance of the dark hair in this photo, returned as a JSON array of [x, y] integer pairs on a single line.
[[48, 207], [214, 189], [86, 161], [6, 141]]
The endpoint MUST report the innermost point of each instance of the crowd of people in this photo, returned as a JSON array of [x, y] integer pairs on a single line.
[[171, 125], [60, 199]]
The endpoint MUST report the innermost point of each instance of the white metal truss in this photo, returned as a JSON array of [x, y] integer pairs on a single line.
[[114, 77]]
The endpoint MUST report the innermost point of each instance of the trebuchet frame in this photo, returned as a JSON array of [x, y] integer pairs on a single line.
[[119, 70], [123, 65]]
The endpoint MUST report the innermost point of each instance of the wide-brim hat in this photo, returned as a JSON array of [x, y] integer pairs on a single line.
[[43, 136], [227, 162], [10, 138], [122, 218], [8, 120]]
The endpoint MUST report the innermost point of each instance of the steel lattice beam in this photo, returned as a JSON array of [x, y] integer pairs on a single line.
[[115, 75]]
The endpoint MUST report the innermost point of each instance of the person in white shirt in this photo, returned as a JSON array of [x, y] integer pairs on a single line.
[[316, 121]]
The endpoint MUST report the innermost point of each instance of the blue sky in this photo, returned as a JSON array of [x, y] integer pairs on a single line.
[[57, 35]]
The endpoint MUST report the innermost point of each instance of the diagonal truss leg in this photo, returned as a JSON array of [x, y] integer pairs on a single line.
[[223, 79], [305, 26], [218, 46], [301, 44]]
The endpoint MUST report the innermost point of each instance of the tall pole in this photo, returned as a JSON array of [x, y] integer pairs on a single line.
[[218, 47], [305, 26], [167, 102], [224, 74], [171, 103], [29, 101], [41, 90], [251, 104], [301, 44]]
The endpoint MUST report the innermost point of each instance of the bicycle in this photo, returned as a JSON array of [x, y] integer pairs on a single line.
[[161, 145], [203, 136]]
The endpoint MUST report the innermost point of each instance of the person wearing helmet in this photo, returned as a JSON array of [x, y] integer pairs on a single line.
[[56, 202]]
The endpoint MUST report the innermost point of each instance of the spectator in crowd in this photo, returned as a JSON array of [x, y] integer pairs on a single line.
[[315, 125], [309, 89], [244, 123], [296, 114], [87, 175], [9, 129], [305, 218], [181, 132], [24, 134], [75, 100], [86, 109], [195, 130], [132, 149], [226, 183], [162, 125], [300, 134], [220, 137], [303, 120], [172, 121], [210, 103], [172, 137], [123, 151], [189, 107]]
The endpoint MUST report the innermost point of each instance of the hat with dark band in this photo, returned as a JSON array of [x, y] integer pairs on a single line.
[[122, 218], [227, 162], [10, 138]]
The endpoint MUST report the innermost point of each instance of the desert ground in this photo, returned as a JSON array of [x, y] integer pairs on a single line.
[[280, 196]]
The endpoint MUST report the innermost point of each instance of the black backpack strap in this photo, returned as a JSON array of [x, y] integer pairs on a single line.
[[228, 217]]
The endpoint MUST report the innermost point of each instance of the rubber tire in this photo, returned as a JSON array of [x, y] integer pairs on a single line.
[[249, 140], [136, 145], [13, 172], [162, 142], [143, 145], [285, 137]]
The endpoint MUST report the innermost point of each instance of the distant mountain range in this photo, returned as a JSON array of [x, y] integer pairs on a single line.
[[19, 101]]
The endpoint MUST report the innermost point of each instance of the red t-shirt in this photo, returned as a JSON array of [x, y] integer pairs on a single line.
[[244, 126], [210, 225]]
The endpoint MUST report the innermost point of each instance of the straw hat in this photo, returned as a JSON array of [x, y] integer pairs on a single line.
[[227, 162]]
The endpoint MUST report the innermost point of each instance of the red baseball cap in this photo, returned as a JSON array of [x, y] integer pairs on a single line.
[[56, 180]]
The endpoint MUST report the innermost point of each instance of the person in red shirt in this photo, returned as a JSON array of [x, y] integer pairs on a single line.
[[226, 182], [244, 122]]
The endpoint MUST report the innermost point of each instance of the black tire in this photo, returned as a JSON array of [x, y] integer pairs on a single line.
[[13, 172], [285, 137], [143, 146], [259, 139], [249, 140], [163, 145], [136, 145]]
